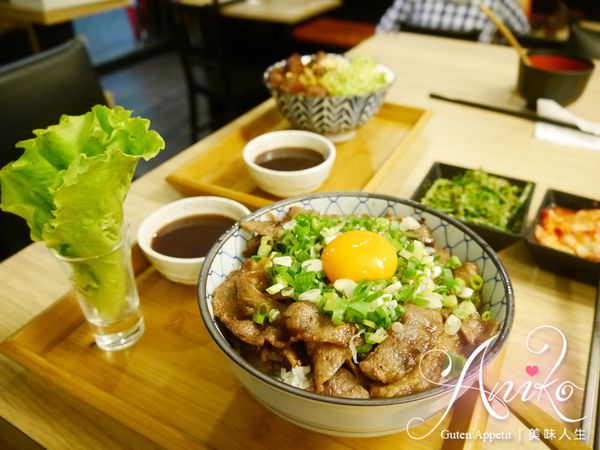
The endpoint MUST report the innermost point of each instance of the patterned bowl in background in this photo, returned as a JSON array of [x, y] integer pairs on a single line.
[[345, 416], [336, 117]]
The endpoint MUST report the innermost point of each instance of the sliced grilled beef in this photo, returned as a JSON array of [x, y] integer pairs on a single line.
[[305, 323], [296, 210], [250, 287], [423, 233], [399, 353], [226, 308], [326, 361], [474, 331], [344, 384], [427, 372], [260, 228], [252, 246], [269, 363], [443, 254], [291, 355]]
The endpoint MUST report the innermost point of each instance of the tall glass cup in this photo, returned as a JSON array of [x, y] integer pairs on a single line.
[[107, 293]]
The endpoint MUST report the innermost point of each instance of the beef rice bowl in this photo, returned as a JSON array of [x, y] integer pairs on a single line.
[[356, 306]]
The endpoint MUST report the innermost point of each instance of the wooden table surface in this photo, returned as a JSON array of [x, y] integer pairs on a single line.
[[14, 13], [289, 12], [31, 280]]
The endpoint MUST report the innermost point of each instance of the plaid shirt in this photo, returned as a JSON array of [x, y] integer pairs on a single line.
[[454, 15]]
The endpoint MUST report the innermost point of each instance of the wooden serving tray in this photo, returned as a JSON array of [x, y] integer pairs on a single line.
[[361, 164], [174, 386]]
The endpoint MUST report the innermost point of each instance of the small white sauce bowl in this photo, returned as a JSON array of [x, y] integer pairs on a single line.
[[183, 270], [289, 183]]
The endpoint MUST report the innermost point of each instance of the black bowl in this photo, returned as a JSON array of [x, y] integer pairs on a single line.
[[554, 260], [496, 238], [564, 86]]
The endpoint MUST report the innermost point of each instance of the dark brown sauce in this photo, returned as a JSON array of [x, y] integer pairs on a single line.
[[288, 159], [192, 236]]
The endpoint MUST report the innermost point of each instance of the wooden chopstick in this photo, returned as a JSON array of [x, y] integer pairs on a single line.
[[591, 401], [511, 112], [508, 35]]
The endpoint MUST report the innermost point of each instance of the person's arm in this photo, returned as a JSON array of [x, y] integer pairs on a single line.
[[394, 16], [511, 13]]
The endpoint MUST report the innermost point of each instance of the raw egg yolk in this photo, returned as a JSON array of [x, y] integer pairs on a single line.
[[359, 255]]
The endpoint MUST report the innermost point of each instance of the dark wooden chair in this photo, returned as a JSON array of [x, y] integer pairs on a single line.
[[212, 69], [34, 93], [584, 41]]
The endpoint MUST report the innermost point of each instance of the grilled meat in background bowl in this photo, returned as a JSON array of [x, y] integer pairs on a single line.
[[350, 396], [327, 93]]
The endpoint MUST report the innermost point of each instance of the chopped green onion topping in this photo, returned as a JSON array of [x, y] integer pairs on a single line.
[[274, 315], [260, 314], [311, 295], [285, 261], [377, 337], [450, 301], [458, 284], [345, 286], [464, 310], [453, 262], [312, 265], [365, 348], [276, 288], [296, 272], [452, 325], [432, 300], [265, 247], [466, 293], [287, 292], [453, 365], [369, 323], [476, 282]]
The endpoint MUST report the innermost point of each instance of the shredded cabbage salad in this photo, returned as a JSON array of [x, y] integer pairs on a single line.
[[354, 76], [373, 306]]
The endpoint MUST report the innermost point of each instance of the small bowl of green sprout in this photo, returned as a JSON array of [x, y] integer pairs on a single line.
[[494, 206]]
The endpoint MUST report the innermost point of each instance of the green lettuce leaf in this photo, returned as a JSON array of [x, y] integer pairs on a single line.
[[70, 184]]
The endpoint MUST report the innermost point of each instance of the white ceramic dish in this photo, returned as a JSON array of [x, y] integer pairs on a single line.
[[343, 416], [183, 270], [297, 182]]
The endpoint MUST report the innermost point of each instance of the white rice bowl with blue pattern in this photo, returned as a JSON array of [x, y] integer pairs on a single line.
[[336, 117], [351, 416]]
